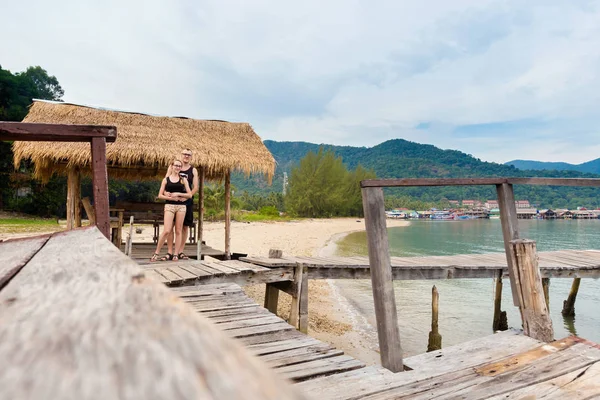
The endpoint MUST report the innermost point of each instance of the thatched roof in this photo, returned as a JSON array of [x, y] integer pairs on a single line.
[[145, 144]]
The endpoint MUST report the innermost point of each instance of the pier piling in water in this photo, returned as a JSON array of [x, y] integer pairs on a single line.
[[569, 304], [435, 339], [546, 287], [271, 291], [500, 321]]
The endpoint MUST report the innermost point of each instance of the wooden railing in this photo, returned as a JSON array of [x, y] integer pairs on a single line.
[[521, 257]]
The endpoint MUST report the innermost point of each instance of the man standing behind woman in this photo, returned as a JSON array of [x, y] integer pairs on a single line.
[[189, 173], [175, 190]]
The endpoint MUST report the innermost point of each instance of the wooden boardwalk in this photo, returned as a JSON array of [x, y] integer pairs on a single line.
[[251, 270], [504, 365]]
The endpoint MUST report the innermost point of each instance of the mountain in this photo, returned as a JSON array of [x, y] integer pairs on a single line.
[[400, 158], [592, 167]]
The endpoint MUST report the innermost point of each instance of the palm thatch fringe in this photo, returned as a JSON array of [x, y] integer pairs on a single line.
[[145, 144]]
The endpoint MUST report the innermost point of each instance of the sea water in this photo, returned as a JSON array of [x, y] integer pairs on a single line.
[[466, 306]]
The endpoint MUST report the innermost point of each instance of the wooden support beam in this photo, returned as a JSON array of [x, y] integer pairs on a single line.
[[500, 320], [381, 279], [435, 339], [546, 286], [569, 304], [303, 307], [129, 241], [271, 291], [100, 185], [534, 313], [228, 215], [295, 307], [589, 182], [73, 198], [34, 132], [510, 230], [199, 229]]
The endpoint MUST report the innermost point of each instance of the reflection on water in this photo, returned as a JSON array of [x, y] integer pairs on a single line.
[[466, 305]]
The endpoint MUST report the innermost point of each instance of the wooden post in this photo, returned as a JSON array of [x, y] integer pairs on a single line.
[[546, 286], [500, 321], [510, 229], [435, 339], [228, 215], [271, 292], [129, 241], [100, 185], [297, 292], [303, 308], [569, 304], [534, 313], [381, 279], [73, 198], [199, 232]]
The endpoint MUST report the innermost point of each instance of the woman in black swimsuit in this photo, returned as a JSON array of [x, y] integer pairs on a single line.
[[175, 209]]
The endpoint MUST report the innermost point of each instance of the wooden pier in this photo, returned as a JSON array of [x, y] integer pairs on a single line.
[[251, 270], [72, 304]]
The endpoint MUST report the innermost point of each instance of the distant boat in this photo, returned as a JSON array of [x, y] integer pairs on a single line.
[[442, 215]]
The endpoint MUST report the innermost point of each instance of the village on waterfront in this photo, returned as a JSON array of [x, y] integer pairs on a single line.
[[474, 209]]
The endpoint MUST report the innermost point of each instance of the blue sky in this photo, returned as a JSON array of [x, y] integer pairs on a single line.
[[500, 80]]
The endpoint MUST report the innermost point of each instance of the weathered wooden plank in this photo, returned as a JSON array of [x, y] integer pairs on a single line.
[[589, 182], [195, 270], [510, 231], [307, 370], [270, 262], [100, 185], [220, 267], [521, 370], [28, 131], [259, 330], [258, 313], [170, 275], [282, 345], [16, 253], [272, 337], [152, 274], [583, 383], [266, 319], [185, 275], [231, 311], [82, 309], [302, 356], [381, 279]]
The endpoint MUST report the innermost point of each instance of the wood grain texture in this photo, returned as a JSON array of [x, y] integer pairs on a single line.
[[510, 231], [16, 253], [27, 131], [100, 185], [81, 321]]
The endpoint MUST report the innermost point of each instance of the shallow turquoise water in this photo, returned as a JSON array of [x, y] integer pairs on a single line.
[[466, 305]]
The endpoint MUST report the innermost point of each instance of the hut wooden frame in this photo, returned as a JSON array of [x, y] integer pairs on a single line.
[[525, 292], [97, 136]]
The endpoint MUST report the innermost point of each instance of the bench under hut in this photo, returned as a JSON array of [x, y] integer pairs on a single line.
[[145, 146]]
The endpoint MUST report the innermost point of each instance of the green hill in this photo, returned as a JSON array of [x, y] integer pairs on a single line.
[[400, 158], [592, 167]]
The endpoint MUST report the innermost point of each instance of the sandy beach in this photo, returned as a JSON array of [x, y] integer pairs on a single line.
[[329, 316]]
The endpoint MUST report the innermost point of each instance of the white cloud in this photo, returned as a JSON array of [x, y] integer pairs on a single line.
[[341, 72]]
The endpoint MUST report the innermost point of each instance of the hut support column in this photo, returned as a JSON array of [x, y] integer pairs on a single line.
[[100, 185], [569, 304], [534, 313], [73, 198], [228, 215], [200, 213], [381, 279]]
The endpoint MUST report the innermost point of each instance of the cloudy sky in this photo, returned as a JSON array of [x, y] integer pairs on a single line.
[[500, 80]]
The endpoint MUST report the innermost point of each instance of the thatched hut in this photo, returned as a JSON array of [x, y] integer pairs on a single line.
[[145, 146]]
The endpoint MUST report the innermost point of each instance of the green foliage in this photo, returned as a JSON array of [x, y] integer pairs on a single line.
[[254, 202], [16, 94], [321, 186], [269, 211]]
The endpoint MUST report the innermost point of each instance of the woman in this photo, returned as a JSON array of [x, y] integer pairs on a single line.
[[179, 191]]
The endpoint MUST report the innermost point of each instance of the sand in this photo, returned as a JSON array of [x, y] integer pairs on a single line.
[[330, 316]]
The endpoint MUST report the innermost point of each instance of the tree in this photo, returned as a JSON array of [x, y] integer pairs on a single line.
[[321, 186], [16, 94]]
